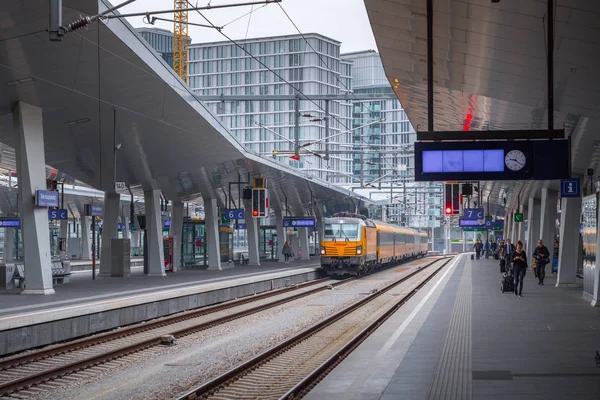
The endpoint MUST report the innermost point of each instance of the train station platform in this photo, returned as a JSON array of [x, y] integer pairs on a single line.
[[85, 306], [459, 337]]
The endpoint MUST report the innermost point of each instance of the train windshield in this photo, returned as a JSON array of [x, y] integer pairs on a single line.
[[341, 231]]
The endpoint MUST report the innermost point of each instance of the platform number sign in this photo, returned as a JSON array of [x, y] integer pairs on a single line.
[[473, 213], [232, 214], [570, 188]]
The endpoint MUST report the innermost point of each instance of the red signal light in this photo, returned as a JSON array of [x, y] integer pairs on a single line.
[[255, 213], [448, 210]]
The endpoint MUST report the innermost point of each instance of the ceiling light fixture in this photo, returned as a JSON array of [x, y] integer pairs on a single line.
[[78, 121], [18, 81]]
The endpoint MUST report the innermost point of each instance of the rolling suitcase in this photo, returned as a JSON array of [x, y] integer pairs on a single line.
[[507, 284], [472, 257]]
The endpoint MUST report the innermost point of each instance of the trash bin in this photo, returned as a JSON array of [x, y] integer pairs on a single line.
[[120, 257]]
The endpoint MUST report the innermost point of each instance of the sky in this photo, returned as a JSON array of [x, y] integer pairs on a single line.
[[342, 20]]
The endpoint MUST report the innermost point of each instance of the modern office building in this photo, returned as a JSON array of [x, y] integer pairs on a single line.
[[161, 41], [394, 133], [267, 127]]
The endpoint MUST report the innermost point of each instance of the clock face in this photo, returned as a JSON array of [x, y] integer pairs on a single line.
[[515, 160]]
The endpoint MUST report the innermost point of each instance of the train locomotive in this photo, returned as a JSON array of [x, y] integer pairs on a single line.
[[351, 244]]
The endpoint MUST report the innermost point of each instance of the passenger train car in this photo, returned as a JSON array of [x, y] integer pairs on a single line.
[[352, 244]]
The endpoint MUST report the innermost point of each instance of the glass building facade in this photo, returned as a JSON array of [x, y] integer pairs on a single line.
[[394, 132], [267, 127], [161, 40]]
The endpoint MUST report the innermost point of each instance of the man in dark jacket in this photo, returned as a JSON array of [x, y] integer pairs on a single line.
[[507, 250], [542, 257]]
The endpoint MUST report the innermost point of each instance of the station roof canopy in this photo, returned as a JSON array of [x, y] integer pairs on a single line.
[[490, 63], [104, 82]]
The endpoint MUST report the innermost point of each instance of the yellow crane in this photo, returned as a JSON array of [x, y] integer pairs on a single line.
[[180, 39]]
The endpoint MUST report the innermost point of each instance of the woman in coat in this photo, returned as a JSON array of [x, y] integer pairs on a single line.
[[287, 252]]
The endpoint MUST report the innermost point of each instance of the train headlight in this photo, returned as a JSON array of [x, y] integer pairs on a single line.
[[358, 249], [323, 251]]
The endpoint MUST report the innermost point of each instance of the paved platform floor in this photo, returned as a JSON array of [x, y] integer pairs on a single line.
[[461, 338], [82, 288]]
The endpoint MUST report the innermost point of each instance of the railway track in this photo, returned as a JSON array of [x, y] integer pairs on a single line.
[[290, 369], [23, 371]]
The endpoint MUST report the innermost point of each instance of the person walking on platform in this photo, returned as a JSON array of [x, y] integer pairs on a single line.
[[487, 248], [493, 248], [542, 257], [519, 259], [287, 252]]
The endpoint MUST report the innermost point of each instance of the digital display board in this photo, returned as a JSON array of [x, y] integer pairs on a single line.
[[463, 161], [469, 223], [299, 222], [492, 160], [10, 223]]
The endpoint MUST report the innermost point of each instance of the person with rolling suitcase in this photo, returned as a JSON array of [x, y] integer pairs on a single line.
[[519, 260]]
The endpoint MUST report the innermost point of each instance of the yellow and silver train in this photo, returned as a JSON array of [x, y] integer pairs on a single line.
[[352, 244]]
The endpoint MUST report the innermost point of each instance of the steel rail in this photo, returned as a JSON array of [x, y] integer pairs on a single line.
[[77, 344], [219, 382], [306, 384], [12, 385]]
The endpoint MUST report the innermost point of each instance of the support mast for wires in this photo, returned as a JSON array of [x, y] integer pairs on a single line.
[[180, 39]]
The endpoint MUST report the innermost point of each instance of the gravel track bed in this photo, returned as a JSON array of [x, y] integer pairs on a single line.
[[204, 355]]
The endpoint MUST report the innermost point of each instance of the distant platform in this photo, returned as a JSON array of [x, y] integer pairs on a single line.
[[459, 337], [85, 306]]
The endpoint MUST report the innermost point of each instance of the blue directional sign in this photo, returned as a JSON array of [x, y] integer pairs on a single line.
[[235, 213], [10, 222], [46, 198], [570, 188], [469, 223], [473, 213], [120, 227], [94, 210], [494, 225], [241, 226], [299, 222], [57, 214]]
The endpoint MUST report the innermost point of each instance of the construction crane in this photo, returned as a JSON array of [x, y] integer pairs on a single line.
[[180, 39]]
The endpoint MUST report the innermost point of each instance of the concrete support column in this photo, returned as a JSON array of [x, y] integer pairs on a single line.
[[31, 168], [304, 242], [520, 227], [176, 231], [9, 244], [86, 245], [548, 217], [507, 225], [252, 229], [126, 231], [110, 221], [596, 290], [212, 233], [64, 232], [513, 231], [295, 244], [281, 234], [569, 251], [533, 227], [156, 257]]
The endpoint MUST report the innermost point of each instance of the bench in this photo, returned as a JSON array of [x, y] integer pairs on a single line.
[[241, 260], [60, 273]]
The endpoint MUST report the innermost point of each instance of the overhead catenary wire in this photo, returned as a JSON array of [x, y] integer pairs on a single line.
[[326, 65], [298, 91]]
